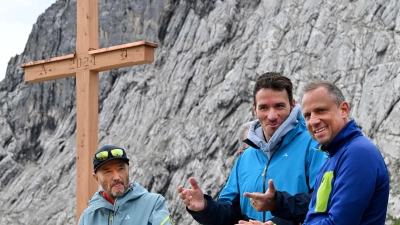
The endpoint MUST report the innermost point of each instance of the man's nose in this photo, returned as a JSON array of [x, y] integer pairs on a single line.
[[116, 175], [314, 120], [272, 114]]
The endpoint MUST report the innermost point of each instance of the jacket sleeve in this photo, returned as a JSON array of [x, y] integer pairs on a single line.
[[226, 210], [292, 207], [160, 214], [218, 213]]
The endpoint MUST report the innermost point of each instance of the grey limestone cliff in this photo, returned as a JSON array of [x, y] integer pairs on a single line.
[[177, 117]]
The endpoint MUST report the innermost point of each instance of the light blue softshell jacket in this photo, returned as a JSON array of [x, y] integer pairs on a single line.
[[293, 167], [137, 206]]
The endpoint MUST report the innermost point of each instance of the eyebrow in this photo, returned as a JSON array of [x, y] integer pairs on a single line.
[[278, 103]]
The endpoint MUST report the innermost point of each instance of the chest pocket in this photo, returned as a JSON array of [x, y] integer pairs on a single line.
[[324, 191]]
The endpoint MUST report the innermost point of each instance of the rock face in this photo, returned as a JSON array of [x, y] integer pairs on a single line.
[[178, 116]]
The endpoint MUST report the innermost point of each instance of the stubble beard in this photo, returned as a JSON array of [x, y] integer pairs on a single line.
[[118, 193]]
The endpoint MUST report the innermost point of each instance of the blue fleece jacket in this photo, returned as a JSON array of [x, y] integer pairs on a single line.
[[352, 187], [136, 206]]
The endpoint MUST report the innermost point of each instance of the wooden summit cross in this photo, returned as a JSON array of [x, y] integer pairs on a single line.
[[85, 64]]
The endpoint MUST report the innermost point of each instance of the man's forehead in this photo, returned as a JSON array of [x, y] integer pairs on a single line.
[[317, 95], [272, 93]]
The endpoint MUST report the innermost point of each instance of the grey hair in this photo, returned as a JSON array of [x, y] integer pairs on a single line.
[[335, 93], [241, 131]]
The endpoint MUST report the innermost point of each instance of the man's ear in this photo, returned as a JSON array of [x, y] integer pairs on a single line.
[[254, 109], [293, 103], [95, 177], [345, 108]]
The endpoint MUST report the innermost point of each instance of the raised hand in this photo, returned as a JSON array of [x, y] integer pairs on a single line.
[[263, 202], [193, 198]]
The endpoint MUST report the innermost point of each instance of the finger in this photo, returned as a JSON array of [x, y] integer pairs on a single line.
[[194, 184], [180, 189], [253, 195], [248, 194], [271, 186], [182, 196], [255, 222]]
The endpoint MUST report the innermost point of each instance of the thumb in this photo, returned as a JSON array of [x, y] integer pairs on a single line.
[[271, 186], [194, 184]]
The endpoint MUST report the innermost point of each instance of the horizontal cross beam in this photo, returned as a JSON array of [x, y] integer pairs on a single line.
[[115, 57]]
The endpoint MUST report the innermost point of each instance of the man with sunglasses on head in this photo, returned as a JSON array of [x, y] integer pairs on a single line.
[[120, 202], [280, 149]]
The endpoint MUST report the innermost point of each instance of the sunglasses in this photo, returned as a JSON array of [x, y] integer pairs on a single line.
[[115, 153]]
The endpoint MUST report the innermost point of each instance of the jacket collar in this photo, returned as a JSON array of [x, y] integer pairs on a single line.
[[134, 191], [348, 132]]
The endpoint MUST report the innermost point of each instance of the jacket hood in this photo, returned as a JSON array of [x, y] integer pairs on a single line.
[[134, 191], [256, 135]]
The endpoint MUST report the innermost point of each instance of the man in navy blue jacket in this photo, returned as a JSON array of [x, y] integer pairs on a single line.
[[352, 187]]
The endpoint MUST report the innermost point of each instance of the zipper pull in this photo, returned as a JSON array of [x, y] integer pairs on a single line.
[[265, 169]]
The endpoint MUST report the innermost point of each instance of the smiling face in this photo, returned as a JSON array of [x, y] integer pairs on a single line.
[[324, 118], [272, 109], [113, 176]]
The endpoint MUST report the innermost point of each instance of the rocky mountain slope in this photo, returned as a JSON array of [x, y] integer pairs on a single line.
[[177, 117]]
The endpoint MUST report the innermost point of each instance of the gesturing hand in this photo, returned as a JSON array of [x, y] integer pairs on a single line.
[[263, 202], [254, 222], [193, 198]]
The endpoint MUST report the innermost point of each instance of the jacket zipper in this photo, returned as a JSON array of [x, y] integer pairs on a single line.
[[264, 174], [114, 211]]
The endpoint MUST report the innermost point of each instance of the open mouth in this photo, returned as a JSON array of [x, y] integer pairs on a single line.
[[319, 130], [316, 132]]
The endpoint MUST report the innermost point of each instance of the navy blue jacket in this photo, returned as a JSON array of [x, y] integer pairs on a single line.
[[352, 187]]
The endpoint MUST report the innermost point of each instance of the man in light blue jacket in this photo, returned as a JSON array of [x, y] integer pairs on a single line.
[[281, 154], [120, 202]]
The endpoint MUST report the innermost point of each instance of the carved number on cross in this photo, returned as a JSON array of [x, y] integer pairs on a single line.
[[77, 63], [43, 70], [124, 54]]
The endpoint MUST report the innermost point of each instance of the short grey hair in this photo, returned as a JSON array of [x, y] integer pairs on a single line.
[[335, 93], [240, 132]]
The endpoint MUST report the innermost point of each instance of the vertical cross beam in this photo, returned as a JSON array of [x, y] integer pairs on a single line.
[[86, 103]]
